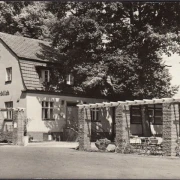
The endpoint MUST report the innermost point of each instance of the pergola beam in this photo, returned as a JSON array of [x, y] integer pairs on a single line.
[[135, 102]]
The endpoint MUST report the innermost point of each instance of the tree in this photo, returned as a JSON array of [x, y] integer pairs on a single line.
[[29, 19], [35, 21], [7, 12], [114, 49]]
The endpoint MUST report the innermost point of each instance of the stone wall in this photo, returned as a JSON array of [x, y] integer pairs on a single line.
[[84, 129], [170, 128], [122, 116], [18, 129]]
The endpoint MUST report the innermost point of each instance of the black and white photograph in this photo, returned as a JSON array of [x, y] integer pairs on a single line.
[[89, 90]]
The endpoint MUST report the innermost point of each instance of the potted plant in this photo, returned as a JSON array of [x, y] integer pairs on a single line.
[[102, 144]]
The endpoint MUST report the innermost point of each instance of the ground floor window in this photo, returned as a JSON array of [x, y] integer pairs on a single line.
[[95, 115], [9, 113], [47, 110], [154, 114], [135, 112]]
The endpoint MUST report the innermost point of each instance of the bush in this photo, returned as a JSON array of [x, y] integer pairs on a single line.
[[6, 136]]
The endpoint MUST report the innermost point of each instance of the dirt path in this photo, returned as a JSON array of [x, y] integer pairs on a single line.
[[55, 162]]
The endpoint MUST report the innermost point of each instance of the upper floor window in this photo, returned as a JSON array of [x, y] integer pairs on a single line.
[[69, 79], [47, 110], [9, 112], [9, 74], [45, 75]]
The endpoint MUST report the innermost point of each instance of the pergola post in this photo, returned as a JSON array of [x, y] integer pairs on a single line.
[[84, 129], [18, 127], [170, 128], [122, 116]]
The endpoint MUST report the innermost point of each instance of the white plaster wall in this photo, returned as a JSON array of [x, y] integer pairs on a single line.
[[8, 59], [34, 111]]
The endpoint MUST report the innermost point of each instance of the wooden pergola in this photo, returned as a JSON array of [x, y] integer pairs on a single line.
[[170, 126], [130, 103]]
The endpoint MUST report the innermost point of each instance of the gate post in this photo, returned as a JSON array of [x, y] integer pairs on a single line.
[[84, 119], [122, 117], [170, 132], [18, 127]]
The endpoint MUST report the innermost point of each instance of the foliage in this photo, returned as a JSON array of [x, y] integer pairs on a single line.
[[35, 21], [114, 52], [6, 136], [113, 49]]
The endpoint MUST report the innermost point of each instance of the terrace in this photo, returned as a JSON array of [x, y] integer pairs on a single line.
[[144, 126]]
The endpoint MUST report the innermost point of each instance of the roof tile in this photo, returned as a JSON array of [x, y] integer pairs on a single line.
[[24, 47]]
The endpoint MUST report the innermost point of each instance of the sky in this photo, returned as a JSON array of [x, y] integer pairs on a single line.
[[174, 62]]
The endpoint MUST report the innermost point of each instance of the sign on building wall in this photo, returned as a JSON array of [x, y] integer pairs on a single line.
[[4, 93]]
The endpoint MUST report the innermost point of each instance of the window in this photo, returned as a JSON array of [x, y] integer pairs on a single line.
[[9, 74], [155, 113], [136, 115], [95, 115], [9, 113], [47, 110], [45, 75], [69, 79]]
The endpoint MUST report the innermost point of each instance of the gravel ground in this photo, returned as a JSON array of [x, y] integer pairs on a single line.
[[66, 163]]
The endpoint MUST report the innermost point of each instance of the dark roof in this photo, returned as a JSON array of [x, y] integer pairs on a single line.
[[24, 47]]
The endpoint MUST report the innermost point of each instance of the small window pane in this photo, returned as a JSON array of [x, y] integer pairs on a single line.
[[51, 113], [158, 112], [150, 105], [158, 120], [158, 105], [136, 119], [46, 113], [51, 104], [9, 114], [95, 115], [135, 112], [136, 115], [46, 104]]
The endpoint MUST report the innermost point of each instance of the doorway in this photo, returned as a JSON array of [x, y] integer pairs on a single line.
[[71, 127]]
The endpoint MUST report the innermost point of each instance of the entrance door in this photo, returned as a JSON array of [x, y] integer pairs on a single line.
[[71, 130]]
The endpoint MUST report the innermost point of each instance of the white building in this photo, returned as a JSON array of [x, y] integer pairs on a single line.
[[22, 74]]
